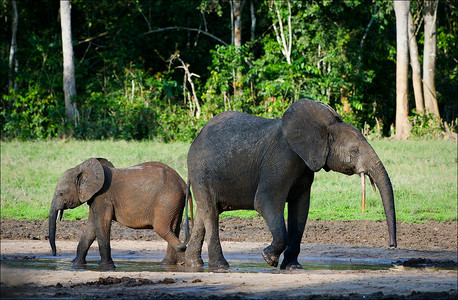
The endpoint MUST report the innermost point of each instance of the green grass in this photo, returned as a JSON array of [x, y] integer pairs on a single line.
[[423, 173]]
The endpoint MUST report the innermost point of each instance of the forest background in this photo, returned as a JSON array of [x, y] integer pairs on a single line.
[[158, 70]]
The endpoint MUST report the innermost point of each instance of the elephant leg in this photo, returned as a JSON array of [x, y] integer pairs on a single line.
[[215, 252], [164, 230], [86, 240], [298, 209], [103, 217], [179, 253], [207, 222], [272, 211], [170, 256], [193, 256]]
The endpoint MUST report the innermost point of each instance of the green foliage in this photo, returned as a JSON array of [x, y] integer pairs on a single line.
[[423, 174], [426, 126], [35, 115], [146, 108], [266, 84], [127, 88]]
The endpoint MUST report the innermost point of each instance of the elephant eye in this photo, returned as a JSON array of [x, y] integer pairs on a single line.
[[354, 150]]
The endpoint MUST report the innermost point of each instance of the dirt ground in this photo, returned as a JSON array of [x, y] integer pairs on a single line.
[[331, 242]]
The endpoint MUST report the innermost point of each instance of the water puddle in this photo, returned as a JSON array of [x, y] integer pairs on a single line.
[[237, 266], [148, 266]]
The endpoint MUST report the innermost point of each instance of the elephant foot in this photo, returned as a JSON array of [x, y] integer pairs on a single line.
[[107, 265], [79, 262], [219, 264], [168, 262], [180, 259], [270, 258], [194, 263], [290, 265]]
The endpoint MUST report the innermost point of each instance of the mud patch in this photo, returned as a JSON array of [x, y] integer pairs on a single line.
[[243, 240], [423, 236], [425, 262], [124, 281], [124, 291]]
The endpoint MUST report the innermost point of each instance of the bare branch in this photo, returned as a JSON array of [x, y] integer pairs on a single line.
[[92, 38], [286, 47], [188, 29], [141, 12], [188, 77]]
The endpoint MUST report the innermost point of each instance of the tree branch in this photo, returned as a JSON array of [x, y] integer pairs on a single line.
[[92, 38], [286, 49], [144, 17], [290, 32], [188, 29], [188, 77]]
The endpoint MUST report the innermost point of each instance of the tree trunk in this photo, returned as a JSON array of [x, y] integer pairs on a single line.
[[237, 6], [429, 58], [253, 21], [416, 69], [231, 3], [401, 9], [69, 70], [284, 43], [13, 62]]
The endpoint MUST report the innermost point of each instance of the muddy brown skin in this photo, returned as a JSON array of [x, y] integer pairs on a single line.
[[150, 195], [239, 161]]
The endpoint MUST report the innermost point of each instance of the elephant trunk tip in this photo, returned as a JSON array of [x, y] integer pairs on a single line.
[[393, 244], [53, 247]]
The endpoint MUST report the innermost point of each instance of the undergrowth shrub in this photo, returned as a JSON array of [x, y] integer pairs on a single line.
[[147, 107], [426, 126], [32, 113]]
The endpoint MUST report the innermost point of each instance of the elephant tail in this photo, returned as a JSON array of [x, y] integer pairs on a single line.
[[189, 199], [187, 233]]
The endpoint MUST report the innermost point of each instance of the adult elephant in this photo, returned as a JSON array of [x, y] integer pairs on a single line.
[[145, 196], [240, 161]]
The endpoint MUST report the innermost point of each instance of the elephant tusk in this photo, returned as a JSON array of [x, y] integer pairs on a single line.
[[59, 214], [363, 188]]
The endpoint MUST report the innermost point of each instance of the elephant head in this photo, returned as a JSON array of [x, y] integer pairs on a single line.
[[75, 187], [319, 136]]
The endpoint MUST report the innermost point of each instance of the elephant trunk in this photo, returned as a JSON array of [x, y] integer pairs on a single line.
[[379, 175], [54, 214]]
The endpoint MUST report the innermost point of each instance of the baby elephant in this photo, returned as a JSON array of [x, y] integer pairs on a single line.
[[145, 196]]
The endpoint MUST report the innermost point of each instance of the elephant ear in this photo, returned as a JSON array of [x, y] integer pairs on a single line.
[[90, 179], [305, 126], [105, 162]]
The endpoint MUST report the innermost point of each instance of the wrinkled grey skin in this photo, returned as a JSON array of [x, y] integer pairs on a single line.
[[146, 196], [239, 161]]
